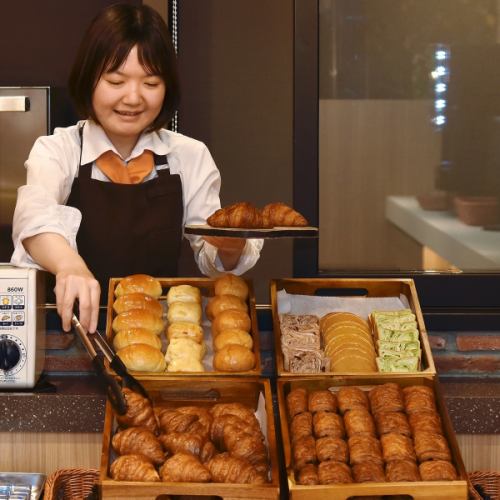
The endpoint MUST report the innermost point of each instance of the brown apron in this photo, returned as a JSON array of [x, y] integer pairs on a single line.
[[128, 228]]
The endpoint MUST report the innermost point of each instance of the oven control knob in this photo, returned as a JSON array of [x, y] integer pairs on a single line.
[[10, 354]]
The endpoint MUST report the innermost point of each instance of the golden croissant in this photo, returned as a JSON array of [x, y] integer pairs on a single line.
[[174, 421], [227, 469], [184, 468], [139, 412], [138, 440], [244, 445], [242, 215], [182, 441], [279, 214], [133, 468]]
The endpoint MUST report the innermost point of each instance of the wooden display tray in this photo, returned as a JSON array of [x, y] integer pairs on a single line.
[[430, 490], [175, 392], [206, 286], [236, 232], [355, 287]]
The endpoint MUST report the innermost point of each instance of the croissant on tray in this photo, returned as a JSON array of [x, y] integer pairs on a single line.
[[182, 441], [227, 469], [138, 440], [279, 214], [184, 468], [139, 412], [133, 468]]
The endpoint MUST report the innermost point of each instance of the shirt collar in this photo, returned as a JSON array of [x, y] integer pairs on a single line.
[[96, 142]]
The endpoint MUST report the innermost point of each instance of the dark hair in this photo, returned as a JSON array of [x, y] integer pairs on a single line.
[[107, 43]]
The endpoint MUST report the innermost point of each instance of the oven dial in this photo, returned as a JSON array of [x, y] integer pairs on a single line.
[[12, 354]]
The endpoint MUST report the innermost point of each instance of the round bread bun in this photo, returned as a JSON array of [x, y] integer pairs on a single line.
[[230, 284], [137, 300], [219, 303], [234, 358], [183, 293], [142, 283], [239, 337], [143, 358], [231, 319], [184, 329], [135, 336], [185, 365], [138, 318], [185, 348], [184, 311]]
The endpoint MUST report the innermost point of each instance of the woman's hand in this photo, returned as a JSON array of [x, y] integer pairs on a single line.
[[229, 249]]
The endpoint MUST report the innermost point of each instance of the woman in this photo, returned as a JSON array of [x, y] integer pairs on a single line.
[[110, 195]]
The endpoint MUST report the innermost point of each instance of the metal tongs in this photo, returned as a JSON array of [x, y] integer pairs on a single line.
[[91, 342]]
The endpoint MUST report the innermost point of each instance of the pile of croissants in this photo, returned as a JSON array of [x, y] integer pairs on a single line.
[[246, 216], [222, 444]]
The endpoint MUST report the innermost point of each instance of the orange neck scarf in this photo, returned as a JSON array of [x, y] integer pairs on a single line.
[[120, 173]]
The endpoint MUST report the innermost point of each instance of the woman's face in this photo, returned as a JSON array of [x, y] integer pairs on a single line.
[[127, 101]]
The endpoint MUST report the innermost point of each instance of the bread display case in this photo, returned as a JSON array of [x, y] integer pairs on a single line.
[[197, 326], [343, 326]]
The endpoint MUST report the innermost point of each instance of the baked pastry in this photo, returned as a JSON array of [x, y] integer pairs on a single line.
[[174, 442], [219, 303], [397, 447], [350, 398], [359, 421], [301, 426], [429, 421], [184, 311], [185, 329], [322, 401], [402, 470], [386, 397], [142, 358], [331, 448], [138, 440], [242, 215], [334, 473], [138, 318], [230, 284], [125, 338], [438, 470], [207, 452], [326, 423], [225, 468], [234, 358], [419, 398], [139, 412], [141, 283], [231, 319], [364, 449], [184, 468], [297, 401], [183, 293], [137, 300], [431, 446], [280, 214], [170, 420], [184, 348], [185, 365], [308, 475], [204, 422], [392, 421], [239, 409], [342, 318], [368, 472], [304, 452], [133, 467], [227, 337], [246, 445], [217, 428]]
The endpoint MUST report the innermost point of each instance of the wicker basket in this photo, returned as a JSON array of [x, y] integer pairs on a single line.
[[489, 483], [70, 484]]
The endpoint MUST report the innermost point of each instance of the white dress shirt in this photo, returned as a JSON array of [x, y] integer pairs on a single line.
[[53, 164]]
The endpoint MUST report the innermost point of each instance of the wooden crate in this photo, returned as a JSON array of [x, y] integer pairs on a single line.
[[431, 490], [181, 391], [356, 288], [206, 286]]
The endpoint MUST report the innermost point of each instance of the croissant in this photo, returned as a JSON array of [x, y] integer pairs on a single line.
[[176, 442], [244, 445], [139, 412], [238, 409], [227, 469], [174, 421], [133, 468], [207, 452], [204, 422], [138, 440], [242, 215], [279, 214], [184, 468]]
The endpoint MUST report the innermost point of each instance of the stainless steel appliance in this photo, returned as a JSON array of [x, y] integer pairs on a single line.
[[24, 116]]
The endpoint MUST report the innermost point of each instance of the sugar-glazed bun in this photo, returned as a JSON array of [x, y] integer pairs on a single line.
[[234, 358], [137, 300], [231, 319], [221, 303], [141, 283], [136, 336], [142, 358], [138, 318], [239, 337], [230, 284]]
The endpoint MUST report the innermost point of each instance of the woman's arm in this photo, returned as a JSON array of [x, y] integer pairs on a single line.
[[73, 278], [229, 250]]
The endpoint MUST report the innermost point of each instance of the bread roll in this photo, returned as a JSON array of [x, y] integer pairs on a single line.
[[234, 358], [231, 319], [220, 303], [184, 311], [185, 365], [142, 358], [183, 293], [182, 348], [239, 337], [138, 318], [184, 329], [141, 283], [136, 336], [230, 284], [137, 301]]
